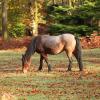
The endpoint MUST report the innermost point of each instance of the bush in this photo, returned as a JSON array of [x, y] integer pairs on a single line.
[[18, 30], [81, 30]]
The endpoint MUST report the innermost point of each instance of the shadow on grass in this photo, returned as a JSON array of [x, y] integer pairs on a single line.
[[10, 70]]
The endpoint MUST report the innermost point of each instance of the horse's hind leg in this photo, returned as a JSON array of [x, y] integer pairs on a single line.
[[69, 54], [79, 60], [41, 62]]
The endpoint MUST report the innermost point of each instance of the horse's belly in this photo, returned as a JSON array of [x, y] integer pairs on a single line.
[[57, 51], [54, 50]]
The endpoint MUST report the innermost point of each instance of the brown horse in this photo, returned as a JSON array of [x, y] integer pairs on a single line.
[[46, 44]]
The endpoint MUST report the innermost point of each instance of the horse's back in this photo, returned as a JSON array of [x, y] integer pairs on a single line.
[[68, 37], [50, 44]]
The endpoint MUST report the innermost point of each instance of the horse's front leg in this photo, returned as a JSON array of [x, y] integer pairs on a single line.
[[46, 60], [49, 66], [41, 62]]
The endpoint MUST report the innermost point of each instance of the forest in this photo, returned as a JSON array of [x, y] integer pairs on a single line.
[[33, 17]]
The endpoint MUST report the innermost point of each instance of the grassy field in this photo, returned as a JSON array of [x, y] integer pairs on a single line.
[[56, 85]]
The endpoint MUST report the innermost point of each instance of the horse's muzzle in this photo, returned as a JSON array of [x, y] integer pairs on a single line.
[[25, 70]]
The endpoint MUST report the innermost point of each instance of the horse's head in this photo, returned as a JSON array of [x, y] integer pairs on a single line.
[[25, 63]]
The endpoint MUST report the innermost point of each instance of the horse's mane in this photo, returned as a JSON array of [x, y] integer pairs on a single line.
[[31, 48]]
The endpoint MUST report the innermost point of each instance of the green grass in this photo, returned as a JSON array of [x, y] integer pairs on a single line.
[[56, 85]]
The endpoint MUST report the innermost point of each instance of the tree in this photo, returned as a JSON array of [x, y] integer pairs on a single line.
[[33, 16], [4, 19], [77, 16], [53, 2]]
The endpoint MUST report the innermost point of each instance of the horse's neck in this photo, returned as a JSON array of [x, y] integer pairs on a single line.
[[27, 55], [31, 49]]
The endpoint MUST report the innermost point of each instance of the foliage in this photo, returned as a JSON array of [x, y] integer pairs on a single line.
[[80, 19], [82, 30], [17, 30], [57, 13], [96, 9], [66, 12], [85, 11]]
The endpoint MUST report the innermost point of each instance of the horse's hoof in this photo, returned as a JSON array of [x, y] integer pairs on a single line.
[[69, 70], [81, 70], [49, 70], [39, 70]]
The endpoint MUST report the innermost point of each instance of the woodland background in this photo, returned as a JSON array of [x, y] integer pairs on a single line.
[[32, 17]]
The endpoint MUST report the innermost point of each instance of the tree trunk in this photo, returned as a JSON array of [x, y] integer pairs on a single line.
[[62, 2], [98, 22], [53, 2], [70, 3], [4, 19], [36, 18], [33, 17]]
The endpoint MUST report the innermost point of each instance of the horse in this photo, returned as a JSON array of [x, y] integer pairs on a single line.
[[46, 44]]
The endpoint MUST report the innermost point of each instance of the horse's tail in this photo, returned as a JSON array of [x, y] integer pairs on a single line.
[[78, 53], [31, 48]]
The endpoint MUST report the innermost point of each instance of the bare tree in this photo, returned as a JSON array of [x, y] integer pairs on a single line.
[[4, 19]]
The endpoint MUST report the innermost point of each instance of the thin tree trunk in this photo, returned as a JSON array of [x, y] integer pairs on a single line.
[[36, 18], [98, 23], [62, 2], [4, 19], [53, 2], [33, 17], [69, 3]]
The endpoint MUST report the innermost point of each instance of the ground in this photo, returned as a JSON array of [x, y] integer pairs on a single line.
[[56, 85]]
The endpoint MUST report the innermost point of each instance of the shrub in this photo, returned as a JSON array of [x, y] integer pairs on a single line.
[[18, 30]]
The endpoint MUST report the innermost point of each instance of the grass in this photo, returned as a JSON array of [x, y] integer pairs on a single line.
[[56, 85]]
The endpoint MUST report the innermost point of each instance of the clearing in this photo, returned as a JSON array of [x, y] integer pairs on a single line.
[[56, 85]]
